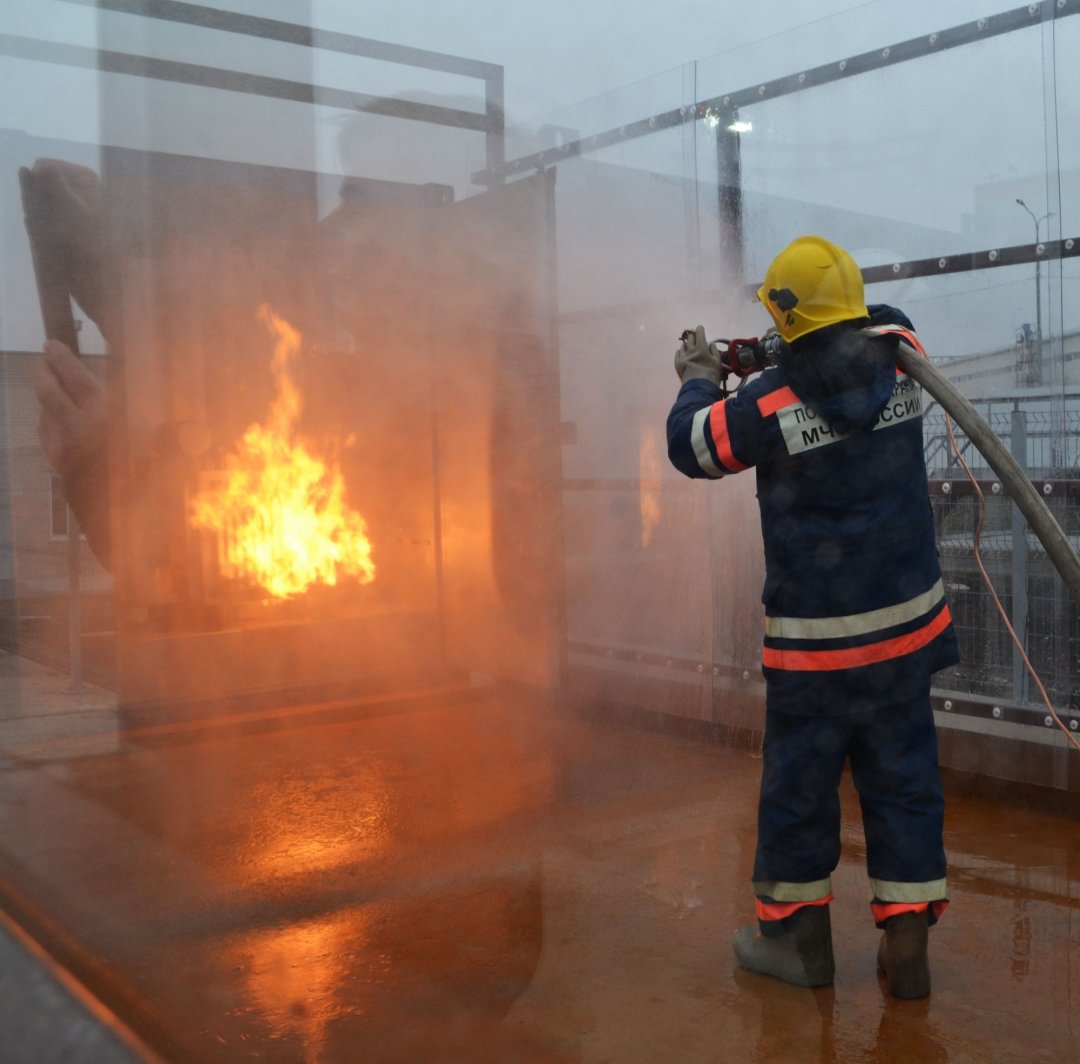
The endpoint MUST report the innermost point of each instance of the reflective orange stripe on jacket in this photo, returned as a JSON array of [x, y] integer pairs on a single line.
[[719, 428], [852, 657]]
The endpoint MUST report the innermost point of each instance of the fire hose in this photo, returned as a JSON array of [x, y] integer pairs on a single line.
[[1057, 546], [1058, 549]]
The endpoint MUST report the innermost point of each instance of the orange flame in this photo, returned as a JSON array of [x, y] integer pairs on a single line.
[[280, 509], [649, 499]]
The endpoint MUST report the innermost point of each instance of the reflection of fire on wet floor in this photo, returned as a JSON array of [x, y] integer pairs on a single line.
[[483, 879]]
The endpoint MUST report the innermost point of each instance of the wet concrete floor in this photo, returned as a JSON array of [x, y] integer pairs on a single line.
[[481, 877]]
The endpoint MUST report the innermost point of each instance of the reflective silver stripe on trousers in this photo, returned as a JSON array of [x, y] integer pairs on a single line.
[[701, 446], [886, 890], [854, 623], [778, 891]]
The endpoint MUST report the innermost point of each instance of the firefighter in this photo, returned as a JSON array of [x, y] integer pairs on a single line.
[[856, 619]]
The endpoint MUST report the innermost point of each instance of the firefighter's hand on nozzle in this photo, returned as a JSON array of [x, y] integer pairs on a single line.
[[696, 358]]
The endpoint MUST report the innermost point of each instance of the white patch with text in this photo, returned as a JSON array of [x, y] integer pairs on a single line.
[[803, 430]]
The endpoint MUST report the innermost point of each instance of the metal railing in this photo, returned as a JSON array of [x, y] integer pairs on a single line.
[[1045, 618]]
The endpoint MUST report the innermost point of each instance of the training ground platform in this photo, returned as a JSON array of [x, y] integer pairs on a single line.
[[472, 874]]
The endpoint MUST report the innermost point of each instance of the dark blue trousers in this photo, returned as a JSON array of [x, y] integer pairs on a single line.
[[893, 754]]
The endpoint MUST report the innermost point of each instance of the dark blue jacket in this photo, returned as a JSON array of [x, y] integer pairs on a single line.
[[855, 610]]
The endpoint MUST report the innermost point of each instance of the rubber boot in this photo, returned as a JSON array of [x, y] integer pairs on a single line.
[[902, 955], [801, 954]]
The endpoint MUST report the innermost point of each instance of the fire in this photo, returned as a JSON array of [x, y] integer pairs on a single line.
[[649, 499], [279, 508]]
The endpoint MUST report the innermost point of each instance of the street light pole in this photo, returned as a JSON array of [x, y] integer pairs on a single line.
[[1038, 289]]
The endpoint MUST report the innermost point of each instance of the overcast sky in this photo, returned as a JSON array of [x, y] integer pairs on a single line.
[[874, 147], [559, 52]]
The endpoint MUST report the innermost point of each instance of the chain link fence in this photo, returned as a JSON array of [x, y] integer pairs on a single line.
[[1047, 444]]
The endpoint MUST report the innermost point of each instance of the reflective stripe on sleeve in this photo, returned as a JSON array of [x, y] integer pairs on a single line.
[[853, 657], [701, 447], [854, 623], [718, 424]]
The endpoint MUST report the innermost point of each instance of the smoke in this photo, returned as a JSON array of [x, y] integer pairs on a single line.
[[346, 796]]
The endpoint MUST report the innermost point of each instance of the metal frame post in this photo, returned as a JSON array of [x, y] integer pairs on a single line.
[[730, 192], [1019, 610]]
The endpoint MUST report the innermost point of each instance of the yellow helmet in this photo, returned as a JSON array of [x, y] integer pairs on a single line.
[[811, 284]]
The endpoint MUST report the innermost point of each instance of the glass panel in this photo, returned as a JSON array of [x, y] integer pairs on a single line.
[[890, 179], [1062, 170], [631, 257], [369, 677], [828, 37]]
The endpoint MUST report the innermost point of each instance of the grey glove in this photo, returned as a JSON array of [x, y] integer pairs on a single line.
[[697, 358]]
